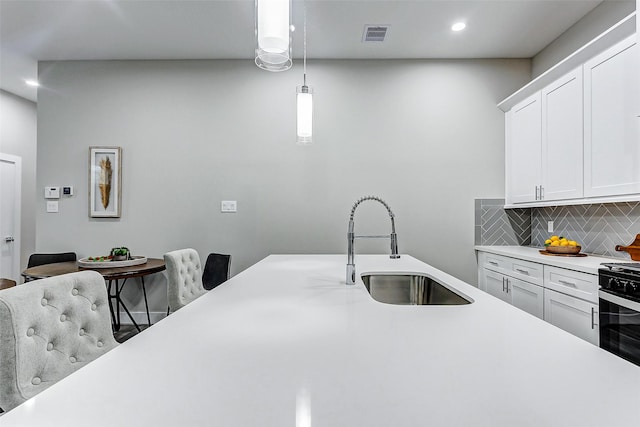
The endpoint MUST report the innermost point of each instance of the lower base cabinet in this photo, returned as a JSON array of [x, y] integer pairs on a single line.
[[574, 315], [527, 297], [524, 295]]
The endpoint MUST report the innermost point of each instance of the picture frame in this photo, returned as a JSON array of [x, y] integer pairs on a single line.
[[105, 182]]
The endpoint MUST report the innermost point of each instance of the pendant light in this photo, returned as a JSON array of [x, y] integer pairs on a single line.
[[273, 39], [304, 100]]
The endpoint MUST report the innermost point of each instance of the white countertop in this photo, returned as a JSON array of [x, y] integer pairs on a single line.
[[287, 343], [588, 264]]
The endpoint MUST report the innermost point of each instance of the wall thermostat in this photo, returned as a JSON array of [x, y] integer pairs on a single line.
[[67, 191], [51, 192]]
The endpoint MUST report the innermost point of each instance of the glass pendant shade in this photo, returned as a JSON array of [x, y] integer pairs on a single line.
[[273, 41], [304, 115]]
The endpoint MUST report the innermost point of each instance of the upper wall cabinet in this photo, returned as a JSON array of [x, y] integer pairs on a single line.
[[611, 138], [577, 140], [562, 138], [523, 150], [544, 143]]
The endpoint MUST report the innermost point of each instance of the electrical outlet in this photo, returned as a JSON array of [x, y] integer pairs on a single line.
[[550, 226], [228, 206]]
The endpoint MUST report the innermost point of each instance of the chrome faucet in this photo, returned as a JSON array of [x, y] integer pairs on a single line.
[[351, 266]]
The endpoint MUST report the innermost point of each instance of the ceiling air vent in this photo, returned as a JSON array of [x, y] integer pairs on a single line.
[[375, 33]]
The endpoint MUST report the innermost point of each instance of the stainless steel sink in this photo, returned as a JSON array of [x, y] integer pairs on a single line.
[[411, 289]]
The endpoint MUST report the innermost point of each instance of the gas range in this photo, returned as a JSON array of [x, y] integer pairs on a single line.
[[621, 279], [619, 307]]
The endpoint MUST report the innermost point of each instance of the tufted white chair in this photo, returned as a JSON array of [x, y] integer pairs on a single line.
[[184, 274], [49, 329]]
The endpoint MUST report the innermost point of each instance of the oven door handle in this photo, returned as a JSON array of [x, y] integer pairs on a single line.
[[622, 302]]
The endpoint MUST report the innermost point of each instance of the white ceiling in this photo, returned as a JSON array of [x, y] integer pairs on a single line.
[[33, 30]]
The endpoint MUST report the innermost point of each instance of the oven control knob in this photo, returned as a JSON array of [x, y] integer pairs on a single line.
[[622, 285], [630, 287], [612, 283]]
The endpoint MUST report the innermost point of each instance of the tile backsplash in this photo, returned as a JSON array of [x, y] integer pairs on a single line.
[[598, 227], [495, 225]]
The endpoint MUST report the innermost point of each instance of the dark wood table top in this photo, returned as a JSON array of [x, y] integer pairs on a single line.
[[6, 284], [153, 265]]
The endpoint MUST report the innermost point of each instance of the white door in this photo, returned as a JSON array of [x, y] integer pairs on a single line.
[[526, 296], [562, 129], [611, 138], [524, 132], [10, 186], [496, 285], [574, 315]]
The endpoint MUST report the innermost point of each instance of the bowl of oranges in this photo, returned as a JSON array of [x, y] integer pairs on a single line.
[[561, 245]]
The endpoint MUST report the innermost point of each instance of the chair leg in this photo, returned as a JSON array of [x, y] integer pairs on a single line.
[[146, 304]]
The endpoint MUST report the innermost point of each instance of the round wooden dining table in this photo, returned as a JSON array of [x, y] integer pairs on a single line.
[[111, 275]]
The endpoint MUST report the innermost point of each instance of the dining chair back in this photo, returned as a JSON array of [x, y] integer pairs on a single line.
[[42, 259], [49, 329], [216, 270], [184, 277]]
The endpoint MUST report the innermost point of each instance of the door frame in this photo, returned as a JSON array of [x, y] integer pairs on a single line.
[[17, 161]]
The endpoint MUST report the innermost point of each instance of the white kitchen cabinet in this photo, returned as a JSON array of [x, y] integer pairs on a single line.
[[562, 128], [565, 298], [572, 314], [526, 296], [523, 150], [515, 281], [496, 285], [544, 143], [611, 137]]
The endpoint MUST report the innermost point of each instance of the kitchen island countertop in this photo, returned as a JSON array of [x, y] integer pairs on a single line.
[[287, 343]]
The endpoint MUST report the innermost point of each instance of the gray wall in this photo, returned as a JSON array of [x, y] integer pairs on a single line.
[[601, 18], [18, 137], [424, 135]]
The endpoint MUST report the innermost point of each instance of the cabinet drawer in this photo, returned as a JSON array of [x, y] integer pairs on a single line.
[[574, 283], [513, 267], [496, 262], [526, 270]]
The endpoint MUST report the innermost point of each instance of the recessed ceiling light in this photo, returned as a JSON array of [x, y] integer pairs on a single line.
[[32, 83], [458, 26]]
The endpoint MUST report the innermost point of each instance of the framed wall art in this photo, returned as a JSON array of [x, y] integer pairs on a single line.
[[105, 182]]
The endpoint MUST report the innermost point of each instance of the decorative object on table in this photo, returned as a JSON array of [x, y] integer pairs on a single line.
[[106, 261], [105, 186], [545, 252], [558, 245], [120, 254], [633, 249]]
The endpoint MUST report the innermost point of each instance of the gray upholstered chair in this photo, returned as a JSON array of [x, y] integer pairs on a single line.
[[50, 328], [184, 277]]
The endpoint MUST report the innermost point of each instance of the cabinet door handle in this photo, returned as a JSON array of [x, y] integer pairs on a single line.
[[537, 192], [593, 318], [493, 263], [503, 280], [522, 271], [507, 285], [541, 192], [564, 282]]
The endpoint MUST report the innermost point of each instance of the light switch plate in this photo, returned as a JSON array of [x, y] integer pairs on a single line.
[[51, 192], [550, 226], [228, 206], [52, 206], [67, 191]]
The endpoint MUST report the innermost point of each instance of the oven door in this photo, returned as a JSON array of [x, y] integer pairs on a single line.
[[620, 326]]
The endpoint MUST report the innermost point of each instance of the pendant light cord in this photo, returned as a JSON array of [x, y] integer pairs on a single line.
[[304, 50]]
